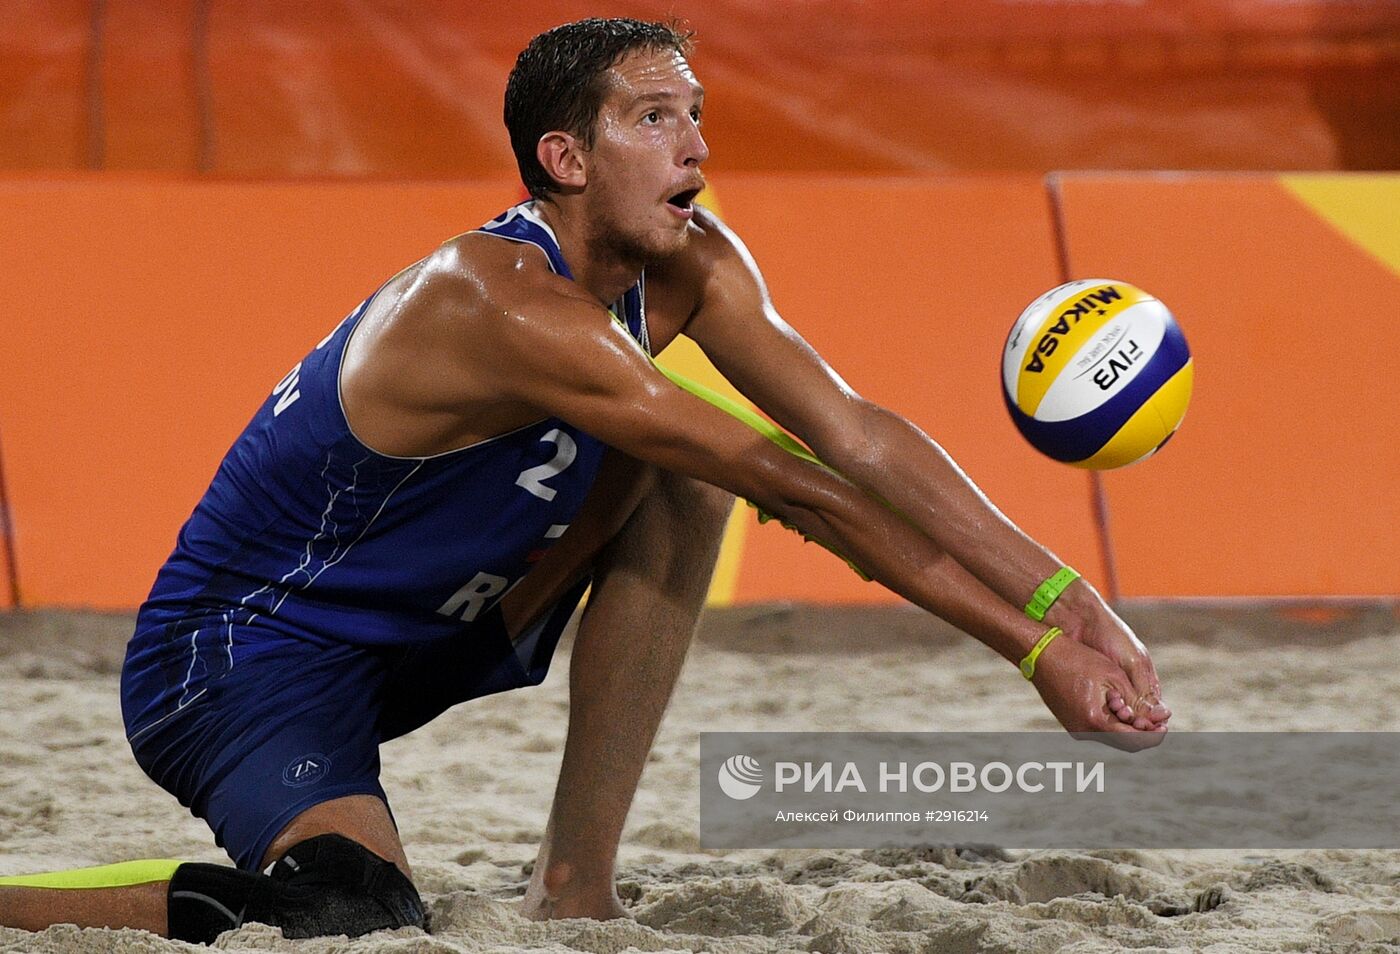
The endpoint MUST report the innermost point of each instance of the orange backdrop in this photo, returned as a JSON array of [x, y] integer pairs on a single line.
[[146, 319], [1286, 476], [388, 88]]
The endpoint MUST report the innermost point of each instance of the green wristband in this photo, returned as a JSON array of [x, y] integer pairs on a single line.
[[1048, 592], [1028, 664]]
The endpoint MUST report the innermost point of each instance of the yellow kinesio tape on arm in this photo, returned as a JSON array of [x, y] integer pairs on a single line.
[[120, 875], [775, 434]]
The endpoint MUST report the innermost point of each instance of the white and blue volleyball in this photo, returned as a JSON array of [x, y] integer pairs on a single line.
[[1096, 373]]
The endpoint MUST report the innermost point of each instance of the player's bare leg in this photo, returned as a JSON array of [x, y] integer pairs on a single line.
[[361, 818], [647, 594], [621, 483], [365, 819], [140, 906]]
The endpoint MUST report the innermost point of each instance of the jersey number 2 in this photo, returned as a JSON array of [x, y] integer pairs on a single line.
[[533, 478]]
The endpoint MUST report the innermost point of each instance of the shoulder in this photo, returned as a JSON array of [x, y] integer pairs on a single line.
[[476, 288], [464, 314], [497, 273], [505, 293]]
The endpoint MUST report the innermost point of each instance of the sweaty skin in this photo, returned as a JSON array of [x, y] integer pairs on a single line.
[[481, 338]]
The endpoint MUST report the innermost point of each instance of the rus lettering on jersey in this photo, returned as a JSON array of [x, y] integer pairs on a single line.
[[468, 602]]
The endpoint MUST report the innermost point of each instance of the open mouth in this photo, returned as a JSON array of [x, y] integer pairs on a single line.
[[681, 201]]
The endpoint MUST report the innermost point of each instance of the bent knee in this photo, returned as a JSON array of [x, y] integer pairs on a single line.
[[696, 503], [332, 885], [673, 537]]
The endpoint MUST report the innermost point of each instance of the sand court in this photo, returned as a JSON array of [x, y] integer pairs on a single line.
[[471, 792]]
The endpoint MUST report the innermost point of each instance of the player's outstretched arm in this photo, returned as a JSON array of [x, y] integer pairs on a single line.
[[887, 455], [567, 358]]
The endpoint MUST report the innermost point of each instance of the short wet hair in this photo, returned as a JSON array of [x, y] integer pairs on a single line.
[[557, 83]]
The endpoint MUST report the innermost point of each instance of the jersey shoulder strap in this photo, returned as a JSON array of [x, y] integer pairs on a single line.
[[521, 223]]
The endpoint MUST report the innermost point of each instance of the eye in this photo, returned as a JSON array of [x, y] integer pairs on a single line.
[[695, 115], [652, 117]]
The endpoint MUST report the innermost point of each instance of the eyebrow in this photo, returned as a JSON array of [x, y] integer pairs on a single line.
[[664, 97]]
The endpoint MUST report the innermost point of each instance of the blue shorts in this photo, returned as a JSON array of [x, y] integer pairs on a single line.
[[297, 723]]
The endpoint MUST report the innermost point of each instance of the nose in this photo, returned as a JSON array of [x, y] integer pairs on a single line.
[[694, 149]]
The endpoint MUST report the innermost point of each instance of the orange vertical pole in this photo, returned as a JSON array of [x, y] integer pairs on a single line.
[[203, 86], [7, 539], [96, 151], [1096, 488]]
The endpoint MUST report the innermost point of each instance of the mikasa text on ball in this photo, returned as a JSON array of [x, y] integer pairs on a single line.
[[1096, 373]]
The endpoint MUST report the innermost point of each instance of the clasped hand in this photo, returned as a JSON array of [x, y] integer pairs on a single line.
[[1098, 678]]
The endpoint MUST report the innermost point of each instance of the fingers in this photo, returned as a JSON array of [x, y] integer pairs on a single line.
[[1139, 702], [1119, 707], [1123, 721], [1146, 705], [1142, 716], [1089, 692], [1147, 688], [1136, 664]]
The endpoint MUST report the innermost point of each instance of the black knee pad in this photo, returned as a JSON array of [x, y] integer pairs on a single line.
[[325, 885]]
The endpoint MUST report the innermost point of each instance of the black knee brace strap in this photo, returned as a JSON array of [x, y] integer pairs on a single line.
[[322, 886]]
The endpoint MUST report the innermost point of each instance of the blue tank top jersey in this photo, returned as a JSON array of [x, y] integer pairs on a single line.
[[305, 533]]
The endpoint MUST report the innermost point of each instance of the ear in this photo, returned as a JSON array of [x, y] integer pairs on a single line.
[[564, 158]]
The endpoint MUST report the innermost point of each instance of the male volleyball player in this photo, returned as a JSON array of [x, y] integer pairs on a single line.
[[409, 520]]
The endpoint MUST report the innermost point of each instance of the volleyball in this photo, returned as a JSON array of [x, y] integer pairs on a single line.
[[1096, 373]]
